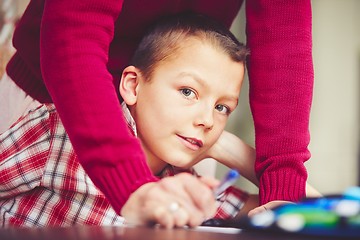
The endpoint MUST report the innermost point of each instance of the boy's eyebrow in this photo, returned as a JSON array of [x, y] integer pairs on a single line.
[[194, 76], [201, 82]]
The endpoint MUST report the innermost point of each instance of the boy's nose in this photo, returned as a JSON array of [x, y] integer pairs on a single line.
[[205, 117]]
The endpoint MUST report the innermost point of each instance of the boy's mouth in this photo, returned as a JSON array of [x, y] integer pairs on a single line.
[[193, 141]]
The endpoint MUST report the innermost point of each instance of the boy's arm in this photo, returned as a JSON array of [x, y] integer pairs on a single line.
[[23, 150], [235, 153]]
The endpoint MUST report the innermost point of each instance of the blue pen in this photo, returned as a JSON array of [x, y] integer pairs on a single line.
[[228, 180]]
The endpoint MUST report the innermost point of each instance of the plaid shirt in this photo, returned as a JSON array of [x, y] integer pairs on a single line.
[[43, 184]]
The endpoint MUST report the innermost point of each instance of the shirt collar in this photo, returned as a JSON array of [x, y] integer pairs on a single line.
[[129, 119]]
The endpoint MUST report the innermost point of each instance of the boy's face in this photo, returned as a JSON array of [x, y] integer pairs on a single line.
[[183, 109]]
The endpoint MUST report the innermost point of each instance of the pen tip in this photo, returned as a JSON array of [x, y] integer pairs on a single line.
[[233, 173]]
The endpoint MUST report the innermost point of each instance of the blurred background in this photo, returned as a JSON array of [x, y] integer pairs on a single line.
[[10, 11], [334, 122]]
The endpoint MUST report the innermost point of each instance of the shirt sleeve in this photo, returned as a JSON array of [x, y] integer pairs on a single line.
[[230, 203], [279, 35], [75, 39], [24, 149]]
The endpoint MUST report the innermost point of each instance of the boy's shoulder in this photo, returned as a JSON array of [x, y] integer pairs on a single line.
[[41, 113], [35, 125]]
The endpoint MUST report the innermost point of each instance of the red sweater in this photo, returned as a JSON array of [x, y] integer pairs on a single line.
[[64, 46]]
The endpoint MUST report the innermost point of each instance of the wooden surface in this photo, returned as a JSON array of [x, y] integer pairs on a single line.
[[127, 233]]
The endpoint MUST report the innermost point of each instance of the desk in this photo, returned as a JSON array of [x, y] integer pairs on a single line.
[[132, 233]]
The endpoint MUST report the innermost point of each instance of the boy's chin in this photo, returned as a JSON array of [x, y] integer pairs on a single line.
[[183, 161], [182, 164]]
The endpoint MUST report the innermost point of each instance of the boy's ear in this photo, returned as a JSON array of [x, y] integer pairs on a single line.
[[129, 84]]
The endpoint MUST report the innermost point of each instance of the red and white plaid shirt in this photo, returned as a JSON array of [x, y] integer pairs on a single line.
[[43, 184]]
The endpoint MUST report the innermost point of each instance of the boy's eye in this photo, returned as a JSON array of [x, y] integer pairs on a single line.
[[223, 109], [188, 93]]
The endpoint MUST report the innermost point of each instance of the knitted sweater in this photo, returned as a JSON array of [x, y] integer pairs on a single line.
[[72, 53]]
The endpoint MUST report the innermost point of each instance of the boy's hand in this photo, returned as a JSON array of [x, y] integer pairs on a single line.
[[172, 202], [267, 206]]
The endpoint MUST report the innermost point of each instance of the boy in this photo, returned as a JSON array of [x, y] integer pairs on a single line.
[[180, 88]]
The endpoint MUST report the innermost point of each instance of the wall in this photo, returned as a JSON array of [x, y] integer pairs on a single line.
[[335, 112], [10, 11]]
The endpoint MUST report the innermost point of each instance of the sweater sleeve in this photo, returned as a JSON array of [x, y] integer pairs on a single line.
[[279, 36], [75, 39]]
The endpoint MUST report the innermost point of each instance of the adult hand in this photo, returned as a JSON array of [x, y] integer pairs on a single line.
[[174, 201]]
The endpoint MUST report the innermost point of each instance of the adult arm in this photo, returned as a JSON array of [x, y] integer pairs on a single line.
[[75, 39], [281, 82]]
